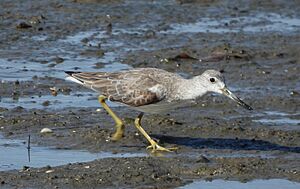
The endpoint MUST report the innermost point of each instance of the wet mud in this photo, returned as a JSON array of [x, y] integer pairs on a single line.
[[255, 44]]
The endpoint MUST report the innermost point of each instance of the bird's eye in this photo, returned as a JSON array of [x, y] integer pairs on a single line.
[[212, 79]]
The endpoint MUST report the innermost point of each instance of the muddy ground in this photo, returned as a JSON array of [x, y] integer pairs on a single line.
[[216, 138]]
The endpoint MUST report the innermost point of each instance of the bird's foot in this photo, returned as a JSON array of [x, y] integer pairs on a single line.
[[119, 133], [155, 148], [116, 136]]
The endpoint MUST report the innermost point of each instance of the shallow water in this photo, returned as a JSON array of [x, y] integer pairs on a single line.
[[12, 70], [79, 99], [255, 184], [42, 63], [279, 121], [14, 155], [114, 45], [260, 22], [277, 118]]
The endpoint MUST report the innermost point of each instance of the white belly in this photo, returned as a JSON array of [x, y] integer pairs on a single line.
[[163, 107]]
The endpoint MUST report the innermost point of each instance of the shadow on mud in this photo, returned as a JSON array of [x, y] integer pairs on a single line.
[[223, 143]]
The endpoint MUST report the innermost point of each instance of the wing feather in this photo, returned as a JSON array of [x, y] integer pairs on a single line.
[[132, 88]]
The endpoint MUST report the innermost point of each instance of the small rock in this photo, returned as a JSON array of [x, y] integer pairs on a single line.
[[25, 168], [18, 109], [17, 82], [49, 171], [46, 103], [99, 65], [58, 60], [294, 93], [202, 159], [46, 130], [53, 91], [66, 90], [150, 34], [85, 40], [52, 65], [23, 25], [93, 52]]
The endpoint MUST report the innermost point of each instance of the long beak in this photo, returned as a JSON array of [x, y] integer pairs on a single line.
[[226, 92]]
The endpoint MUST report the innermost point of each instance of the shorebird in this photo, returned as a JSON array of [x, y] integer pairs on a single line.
[[150, 90]]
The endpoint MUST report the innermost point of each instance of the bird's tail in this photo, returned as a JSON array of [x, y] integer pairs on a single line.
[[73, 79]]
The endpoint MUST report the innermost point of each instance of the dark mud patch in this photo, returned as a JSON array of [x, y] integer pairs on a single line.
[[91, 129], [148, 172], [209, 148]]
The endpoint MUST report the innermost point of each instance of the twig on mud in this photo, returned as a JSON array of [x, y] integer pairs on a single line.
[[28, 148]]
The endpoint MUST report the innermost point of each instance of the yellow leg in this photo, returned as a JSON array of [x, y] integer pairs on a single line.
[[155, 147], [119, 124]]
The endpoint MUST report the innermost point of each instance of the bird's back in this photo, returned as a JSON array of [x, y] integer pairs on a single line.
[[136, 87]]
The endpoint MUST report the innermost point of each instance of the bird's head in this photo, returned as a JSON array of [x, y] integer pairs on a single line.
[[214, 81]]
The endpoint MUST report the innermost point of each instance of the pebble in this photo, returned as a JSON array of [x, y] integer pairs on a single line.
[[23, 25], [46, 130], [294, 93], [25, 168], [58, 60], [46, 103], [49, 171], [53, 91], [202, 159]]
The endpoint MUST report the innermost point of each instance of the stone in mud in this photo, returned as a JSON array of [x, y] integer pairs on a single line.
[[23, 25], [46, 130], [46, 103], [58, 60]]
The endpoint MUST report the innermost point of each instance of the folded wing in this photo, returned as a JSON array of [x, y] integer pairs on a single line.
[[131, 88]]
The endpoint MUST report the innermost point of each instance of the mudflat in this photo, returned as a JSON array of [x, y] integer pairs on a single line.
[[255, 44]]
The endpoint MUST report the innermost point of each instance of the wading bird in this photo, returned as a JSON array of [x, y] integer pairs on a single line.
[[150, 90]]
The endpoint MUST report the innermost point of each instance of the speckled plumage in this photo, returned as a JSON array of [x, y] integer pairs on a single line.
[[136, 87], [150, 89]]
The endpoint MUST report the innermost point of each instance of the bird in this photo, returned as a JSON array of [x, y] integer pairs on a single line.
[[150, 90]]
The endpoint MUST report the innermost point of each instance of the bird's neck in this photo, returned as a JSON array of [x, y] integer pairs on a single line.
[[191, 89]]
